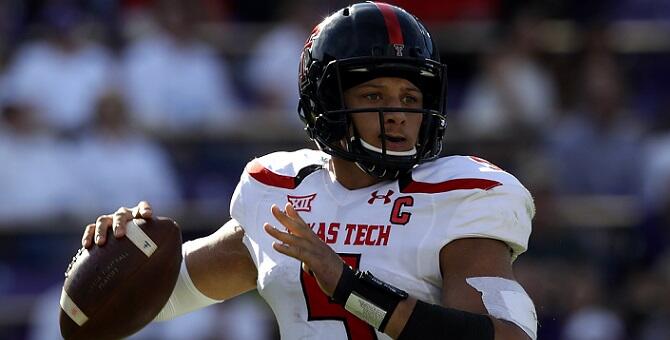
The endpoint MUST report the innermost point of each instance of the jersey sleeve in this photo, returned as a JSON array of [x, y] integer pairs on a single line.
[[482, 201], [237, 206], [243, 208], [502, 213], [272, 175], [250, 191], [265, 181]]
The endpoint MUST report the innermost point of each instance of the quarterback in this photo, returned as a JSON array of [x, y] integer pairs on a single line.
[[373, 235]]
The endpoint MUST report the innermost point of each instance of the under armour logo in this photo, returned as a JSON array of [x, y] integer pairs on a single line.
[[398, 49], [146, 244], [376, 196]]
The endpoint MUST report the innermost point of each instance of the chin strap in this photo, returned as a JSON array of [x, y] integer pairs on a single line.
[[376, 170], [388, 152]]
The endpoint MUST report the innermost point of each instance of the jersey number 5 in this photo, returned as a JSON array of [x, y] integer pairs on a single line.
[[320, 306]]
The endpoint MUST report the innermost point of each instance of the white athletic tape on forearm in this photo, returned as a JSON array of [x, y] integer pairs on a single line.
[[140, 239], [185, 297], [505, 299], [71, 309]]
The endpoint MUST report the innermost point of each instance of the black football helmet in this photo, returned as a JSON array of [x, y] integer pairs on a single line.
[[354, 45]]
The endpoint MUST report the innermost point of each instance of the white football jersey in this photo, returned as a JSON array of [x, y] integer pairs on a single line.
[[394, 229]]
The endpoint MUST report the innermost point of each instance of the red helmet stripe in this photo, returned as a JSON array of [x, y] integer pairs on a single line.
[[392, 24]]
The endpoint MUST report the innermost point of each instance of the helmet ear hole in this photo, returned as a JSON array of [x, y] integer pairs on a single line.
[[305, 111], [335, 129]]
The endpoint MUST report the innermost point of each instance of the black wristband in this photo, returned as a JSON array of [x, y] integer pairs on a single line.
[[430, 321], [367, 297], [345, 285]]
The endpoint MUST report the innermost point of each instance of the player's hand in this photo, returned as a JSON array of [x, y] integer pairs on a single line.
[[300, 242], [98, 231]]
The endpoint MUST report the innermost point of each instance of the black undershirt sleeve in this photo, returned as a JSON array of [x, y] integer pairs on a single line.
[[430, 321]]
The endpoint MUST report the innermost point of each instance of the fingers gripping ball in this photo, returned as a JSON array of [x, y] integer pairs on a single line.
[[113, 291]]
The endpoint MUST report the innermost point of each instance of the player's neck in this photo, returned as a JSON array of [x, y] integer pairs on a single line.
[[349, 175]]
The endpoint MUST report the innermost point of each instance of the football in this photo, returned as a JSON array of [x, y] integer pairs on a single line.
[[111, 292]]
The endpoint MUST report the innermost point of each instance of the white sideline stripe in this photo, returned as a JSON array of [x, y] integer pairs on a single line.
[[71, 309], [140, 239]]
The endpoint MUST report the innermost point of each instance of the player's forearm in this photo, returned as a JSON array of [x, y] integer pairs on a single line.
[[392, 311], [428, 321], [505, 330], [185, 298], [400, 317], [439, 328], [215, 268], [219, 264]]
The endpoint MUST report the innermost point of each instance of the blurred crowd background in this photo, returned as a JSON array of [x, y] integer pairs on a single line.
[[106, 102]]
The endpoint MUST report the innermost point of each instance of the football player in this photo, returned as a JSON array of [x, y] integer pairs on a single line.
[[373, 235]]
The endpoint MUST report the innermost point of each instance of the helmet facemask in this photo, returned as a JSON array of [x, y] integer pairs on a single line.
[[333, 129], [361, 42]]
